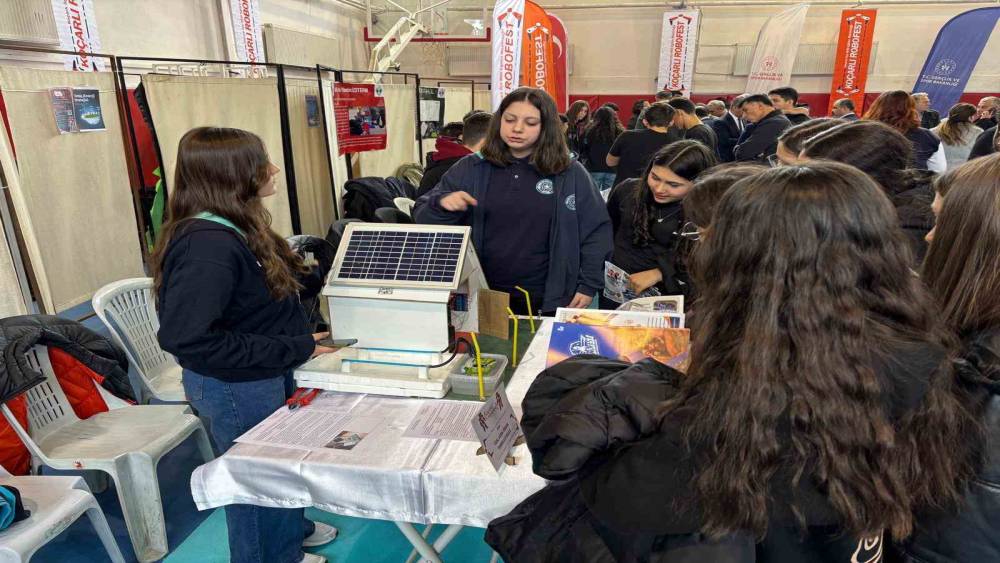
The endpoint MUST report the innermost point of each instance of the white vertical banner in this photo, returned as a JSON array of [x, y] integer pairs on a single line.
[[678, 45], [508, 23], [76, 23], [246, 30], [776, 48]]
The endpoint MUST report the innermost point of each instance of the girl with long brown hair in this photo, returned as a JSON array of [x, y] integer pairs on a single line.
[[538, 223], [578, 115], [819, 413], [227, 297], [962, 269], [897, 110], [958, 134]]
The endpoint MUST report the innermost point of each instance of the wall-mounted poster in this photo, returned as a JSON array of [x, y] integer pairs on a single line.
[[77, 109], [431, 112], [361, 120], [312, 111]]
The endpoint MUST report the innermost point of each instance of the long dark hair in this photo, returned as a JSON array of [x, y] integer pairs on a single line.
[[573, 113], [604, 128], [873, 147], [954, 130], [685, 158], [896, 109], [220, 170], [550, 154], [962, 266], [805, 287]]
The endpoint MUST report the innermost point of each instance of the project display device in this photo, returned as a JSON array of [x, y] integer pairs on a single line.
[[402, 291]]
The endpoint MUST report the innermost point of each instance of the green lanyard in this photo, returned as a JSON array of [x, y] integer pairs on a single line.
[[220, 220]]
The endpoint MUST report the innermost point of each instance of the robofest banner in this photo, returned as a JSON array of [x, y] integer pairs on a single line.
[[508, 26], [538, 68], [76, 23], [678, 44], [954, 55], [774, 54], [359, 111], [560, 43], [854, 49], [246, 30]]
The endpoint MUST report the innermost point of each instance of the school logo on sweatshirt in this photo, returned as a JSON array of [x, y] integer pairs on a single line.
[[545, 187], [571, 203]]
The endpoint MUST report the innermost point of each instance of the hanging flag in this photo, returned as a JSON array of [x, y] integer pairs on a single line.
[[560, 45], [954, 55], [850, 71], [246, 30], [508, 24], [76, 22], [537, 55], [774, 55], [678, 43]]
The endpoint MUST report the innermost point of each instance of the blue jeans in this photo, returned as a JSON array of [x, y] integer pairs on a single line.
[[603, 180], [257, 534]]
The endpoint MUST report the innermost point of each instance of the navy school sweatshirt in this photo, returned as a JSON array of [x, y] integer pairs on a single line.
[[217, 315]]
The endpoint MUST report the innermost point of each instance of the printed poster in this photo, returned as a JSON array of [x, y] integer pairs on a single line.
[[431, 112], [497, 427], [61, 100], [629, 344], [635, 319], [777, 46], [312, 111], [678, 43], [359, 110], [76, 23], [87, 105], [850, 71], [76, 110], [616, 285]]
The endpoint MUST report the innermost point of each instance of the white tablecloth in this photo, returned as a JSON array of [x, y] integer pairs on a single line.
[[392, 478]]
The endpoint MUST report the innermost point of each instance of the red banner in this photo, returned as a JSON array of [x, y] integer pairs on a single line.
[[360, 113], [850, 72], [537, 55], [561, 45]]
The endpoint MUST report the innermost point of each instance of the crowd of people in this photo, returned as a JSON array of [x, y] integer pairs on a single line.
[[841, 398]]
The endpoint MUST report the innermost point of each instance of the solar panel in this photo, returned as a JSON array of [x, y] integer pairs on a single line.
[[406, 256]]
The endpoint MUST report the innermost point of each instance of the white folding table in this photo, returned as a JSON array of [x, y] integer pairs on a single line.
[[391, 477]]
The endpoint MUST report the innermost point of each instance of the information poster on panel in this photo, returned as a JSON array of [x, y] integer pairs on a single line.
[[431, 112], [361, 119]]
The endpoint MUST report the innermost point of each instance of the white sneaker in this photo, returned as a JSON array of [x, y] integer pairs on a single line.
[[323, 535], [313, 558]]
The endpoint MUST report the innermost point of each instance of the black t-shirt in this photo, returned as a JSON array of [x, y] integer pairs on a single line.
[[636, 148], [518, 210], [704, 134], [666, 220], [595, 154]]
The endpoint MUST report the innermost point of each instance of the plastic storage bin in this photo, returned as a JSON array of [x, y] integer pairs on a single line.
[[469, 384]]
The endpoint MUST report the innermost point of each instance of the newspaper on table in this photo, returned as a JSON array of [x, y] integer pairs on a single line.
[[601, 317], [616, 286], [444, 420]]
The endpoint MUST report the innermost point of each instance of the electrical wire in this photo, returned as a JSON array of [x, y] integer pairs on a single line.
[[454, 352]]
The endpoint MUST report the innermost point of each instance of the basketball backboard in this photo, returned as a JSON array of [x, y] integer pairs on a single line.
[[441, 20]]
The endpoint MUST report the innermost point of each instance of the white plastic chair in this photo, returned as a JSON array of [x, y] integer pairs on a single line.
[[127, 308], [404, 204], [54, 503], [125, 442]]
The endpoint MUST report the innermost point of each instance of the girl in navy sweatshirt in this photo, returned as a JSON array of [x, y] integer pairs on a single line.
[[227, 297]]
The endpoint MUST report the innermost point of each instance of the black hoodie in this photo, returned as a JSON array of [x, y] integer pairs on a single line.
[[217, 315]]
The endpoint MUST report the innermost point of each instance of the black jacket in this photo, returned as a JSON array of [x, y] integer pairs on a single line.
[[362, 196], [433, 173], [930, 119], [912, 199], [625, 492], [726, 133], [971, 536], [217, 315], [19, 334], [984, 143], [762, 141]]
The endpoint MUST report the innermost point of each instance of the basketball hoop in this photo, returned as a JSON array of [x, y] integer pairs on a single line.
[[434, 52]]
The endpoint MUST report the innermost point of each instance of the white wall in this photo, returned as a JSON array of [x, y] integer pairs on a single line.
[[616, 51]]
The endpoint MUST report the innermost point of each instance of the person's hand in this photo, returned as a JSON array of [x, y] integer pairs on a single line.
[[320, 350], [580, 301], [458, 201], [641, 281]]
